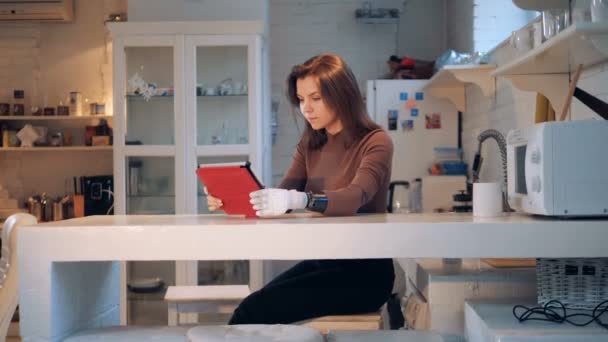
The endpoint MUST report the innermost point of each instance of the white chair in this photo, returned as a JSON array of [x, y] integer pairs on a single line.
[[222, 299], [384, 336], [131, 333], [8, 272], [254, 333]]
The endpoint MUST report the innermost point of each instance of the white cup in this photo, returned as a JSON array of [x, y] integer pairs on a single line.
[[487, 199], [210, 91]]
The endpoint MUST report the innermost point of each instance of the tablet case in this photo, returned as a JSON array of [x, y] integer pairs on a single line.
[[231, 183]]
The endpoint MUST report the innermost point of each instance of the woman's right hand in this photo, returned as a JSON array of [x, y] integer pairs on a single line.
[[213, 203]]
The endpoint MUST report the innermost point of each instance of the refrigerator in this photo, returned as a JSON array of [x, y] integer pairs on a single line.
[[417, 123]]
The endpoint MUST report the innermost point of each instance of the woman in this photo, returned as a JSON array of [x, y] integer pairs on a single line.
[[341, 166]]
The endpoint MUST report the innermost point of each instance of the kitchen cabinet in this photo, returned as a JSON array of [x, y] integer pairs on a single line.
[[185, 93]]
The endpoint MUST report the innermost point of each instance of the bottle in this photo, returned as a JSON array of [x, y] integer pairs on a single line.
[[19, 102], [4, 136], [416, 196]]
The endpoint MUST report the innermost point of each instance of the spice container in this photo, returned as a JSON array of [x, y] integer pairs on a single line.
[[76, 103], [19, 102], [5, 109]]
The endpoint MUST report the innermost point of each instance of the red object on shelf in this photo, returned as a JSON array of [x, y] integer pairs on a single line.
[[231, 183]]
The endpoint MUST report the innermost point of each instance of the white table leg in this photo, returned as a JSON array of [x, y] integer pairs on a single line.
[[64, 297]]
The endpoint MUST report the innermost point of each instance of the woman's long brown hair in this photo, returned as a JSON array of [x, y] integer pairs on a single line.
[[340, 92]]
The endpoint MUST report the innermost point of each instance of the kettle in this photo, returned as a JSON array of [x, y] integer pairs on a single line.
[[398, 197]]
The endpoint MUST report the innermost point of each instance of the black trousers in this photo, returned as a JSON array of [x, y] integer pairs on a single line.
[[316, 288]]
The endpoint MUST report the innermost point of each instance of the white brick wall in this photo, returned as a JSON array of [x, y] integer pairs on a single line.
[[48, 60], [302, 29]]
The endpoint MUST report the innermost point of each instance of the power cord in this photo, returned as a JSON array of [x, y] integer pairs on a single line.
[[111, 195], [549, 313]]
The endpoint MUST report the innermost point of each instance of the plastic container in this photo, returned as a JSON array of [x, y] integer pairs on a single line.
[[447, 154], [454, 168]]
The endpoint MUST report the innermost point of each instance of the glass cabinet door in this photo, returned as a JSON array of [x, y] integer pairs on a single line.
[[149, 94], [222, 95], [150, 183], [148, 155], [223, 113]]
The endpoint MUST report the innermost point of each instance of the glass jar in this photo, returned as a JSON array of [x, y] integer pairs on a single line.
[[599, 11]]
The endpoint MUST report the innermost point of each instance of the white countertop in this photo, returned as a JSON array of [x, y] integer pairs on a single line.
[[304, 236], [58, 298]]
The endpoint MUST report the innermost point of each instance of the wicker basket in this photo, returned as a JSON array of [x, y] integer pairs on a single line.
[[577, 283]]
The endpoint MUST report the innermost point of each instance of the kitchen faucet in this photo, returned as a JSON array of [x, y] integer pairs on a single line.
[[477, 161]]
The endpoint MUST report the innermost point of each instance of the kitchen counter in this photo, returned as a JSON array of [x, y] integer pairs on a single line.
[[69, 275]]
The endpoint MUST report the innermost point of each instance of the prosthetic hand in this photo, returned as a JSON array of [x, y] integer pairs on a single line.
[[273, 202]]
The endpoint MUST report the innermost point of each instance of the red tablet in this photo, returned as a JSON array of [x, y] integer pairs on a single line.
[[232, 183]]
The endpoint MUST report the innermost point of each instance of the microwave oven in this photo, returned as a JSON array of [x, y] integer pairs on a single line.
[[559, 168]]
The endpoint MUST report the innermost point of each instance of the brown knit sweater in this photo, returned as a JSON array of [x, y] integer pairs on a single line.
[[355, 178]]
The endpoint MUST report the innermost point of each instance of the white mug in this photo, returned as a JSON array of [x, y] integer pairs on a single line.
[[487, 199], [210, 91], [521, 40]]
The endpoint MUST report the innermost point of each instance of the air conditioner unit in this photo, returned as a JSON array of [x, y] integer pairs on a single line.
[[36, 10]]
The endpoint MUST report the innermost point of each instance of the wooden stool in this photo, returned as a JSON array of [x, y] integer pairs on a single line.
[[131, 333], [369, 321], [199, 299], [254, 333]]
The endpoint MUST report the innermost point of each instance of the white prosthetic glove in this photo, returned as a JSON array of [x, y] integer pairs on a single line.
[[273, 202]]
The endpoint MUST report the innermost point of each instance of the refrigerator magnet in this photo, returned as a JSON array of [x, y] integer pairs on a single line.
[[414, 112], [420, 96], [433, 121], [411, 103], [407, 125], [393, 115], [402, 96]]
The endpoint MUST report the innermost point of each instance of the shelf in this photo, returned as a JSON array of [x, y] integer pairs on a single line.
[[581, 43], [450, 81], [148, 150], [54, 117], [151, 196], [55, 149], [139, 97], [222, 150], [541, 5], [546, 69]]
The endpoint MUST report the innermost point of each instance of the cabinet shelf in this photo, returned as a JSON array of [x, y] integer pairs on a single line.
[[223, 150], [581, 43], [54, 118], [56, 149], [546, 68], [450, 81], [167, 97]]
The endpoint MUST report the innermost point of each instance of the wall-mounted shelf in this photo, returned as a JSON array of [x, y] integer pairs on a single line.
[[54, 117], [546, 68], [450, 81], [55, 149], [541, 5]]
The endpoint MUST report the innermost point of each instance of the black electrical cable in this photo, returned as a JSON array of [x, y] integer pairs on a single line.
[[549, 313]]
